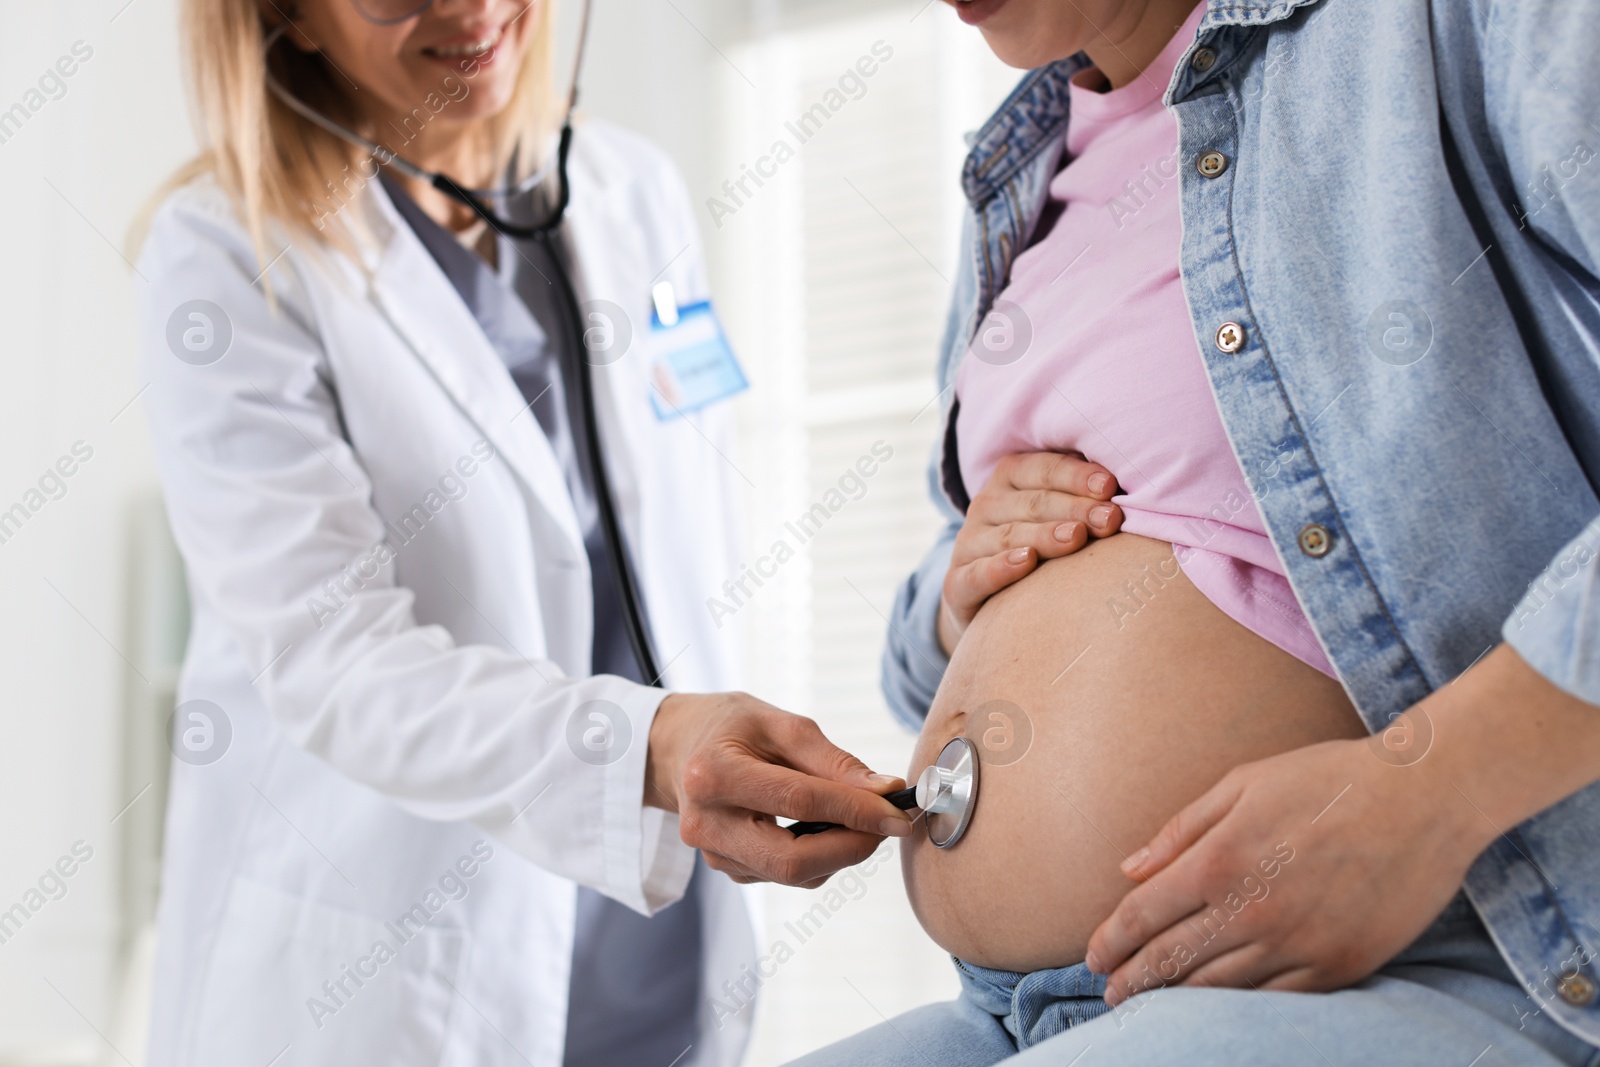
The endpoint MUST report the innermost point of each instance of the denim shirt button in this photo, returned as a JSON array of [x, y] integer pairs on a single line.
[[1203, 60], [1576, 989], [1211, 164], [1230, 338], [1315, 541]]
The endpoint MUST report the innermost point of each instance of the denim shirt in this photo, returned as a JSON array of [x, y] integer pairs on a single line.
[[1396, 203]]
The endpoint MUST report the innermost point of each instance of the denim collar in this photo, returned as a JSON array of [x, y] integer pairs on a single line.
[[1250, 12], [1035, 113], [1033, 116]]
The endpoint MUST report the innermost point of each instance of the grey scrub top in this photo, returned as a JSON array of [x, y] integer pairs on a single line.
[[635, 987]]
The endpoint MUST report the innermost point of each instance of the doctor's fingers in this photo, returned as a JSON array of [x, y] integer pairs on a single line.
[[758, 850], [753, 785], [798, 742]]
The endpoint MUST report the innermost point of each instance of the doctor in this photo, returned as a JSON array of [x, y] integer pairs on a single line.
[[431, 801]]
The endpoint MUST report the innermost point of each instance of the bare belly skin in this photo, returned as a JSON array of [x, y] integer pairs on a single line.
[[1133, 713]]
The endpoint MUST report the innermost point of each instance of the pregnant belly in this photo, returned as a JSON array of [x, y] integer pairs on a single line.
[[1094, 726]]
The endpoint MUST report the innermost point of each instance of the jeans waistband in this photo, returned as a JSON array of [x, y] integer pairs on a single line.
[[1037, 1006]]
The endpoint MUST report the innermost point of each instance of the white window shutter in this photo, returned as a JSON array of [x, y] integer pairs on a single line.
[[833, 276]]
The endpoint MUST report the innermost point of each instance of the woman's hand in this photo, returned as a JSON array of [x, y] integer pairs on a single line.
[[1311, 869], [1035, 506], [727, 763], [1304, 871]]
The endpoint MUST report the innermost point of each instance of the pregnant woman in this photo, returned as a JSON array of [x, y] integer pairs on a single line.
[[1299, 765]]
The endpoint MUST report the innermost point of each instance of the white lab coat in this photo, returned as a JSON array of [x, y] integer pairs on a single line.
[[413, 716]]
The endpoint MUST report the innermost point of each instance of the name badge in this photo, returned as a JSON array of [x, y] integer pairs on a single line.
[[691, 365]]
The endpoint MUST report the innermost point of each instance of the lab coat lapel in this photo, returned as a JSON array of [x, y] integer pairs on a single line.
[[418, 300]]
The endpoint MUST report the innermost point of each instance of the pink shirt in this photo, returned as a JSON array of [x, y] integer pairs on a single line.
[[1102, 359]]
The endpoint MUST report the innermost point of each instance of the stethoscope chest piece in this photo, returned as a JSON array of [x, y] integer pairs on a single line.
[[947, 792]]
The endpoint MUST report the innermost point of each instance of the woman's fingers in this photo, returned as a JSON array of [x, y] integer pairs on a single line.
[[967, 586], [1141, 915], [1105, 519], [1044, 508], [1049, 539], [1064, 472], [1154, 907], [1184, 956], [1184, 829], [1242, 963], [1010, 518], [1036, 505]]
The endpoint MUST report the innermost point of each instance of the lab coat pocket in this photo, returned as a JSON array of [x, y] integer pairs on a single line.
[[316, 985]]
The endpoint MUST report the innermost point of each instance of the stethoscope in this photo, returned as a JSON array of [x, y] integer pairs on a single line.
[[946, 791], [546, 233]]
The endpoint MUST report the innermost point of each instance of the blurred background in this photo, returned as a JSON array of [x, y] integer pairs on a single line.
[[831, 280]]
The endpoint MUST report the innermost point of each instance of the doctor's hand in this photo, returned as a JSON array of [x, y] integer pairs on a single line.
[[728, 764], [1035, 506]]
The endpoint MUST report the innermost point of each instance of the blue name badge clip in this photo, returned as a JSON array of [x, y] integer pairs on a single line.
[[691, 363]]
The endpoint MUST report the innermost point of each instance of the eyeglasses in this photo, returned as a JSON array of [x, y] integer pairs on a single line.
[[389, 12]]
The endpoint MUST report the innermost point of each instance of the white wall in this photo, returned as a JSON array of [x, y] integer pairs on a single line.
[[71, 179]]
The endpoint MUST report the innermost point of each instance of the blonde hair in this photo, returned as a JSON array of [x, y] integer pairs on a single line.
[[280, 167]]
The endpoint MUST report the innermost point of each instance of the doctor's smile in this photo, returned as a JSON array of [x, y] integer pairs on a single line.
[[1135, 464], [480, 47], [974, 12]]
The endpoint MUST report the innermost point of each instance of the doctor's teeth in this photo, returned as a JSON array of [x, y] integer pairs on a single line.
[[476, 48]]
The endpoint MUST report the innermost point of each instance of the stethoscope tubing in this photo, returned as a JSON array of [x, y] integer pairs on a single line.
[[616, 548], [904, 799]]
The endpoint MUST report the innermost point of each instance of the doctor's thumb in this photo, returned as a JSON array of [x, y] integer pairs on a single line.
[[882, 783]]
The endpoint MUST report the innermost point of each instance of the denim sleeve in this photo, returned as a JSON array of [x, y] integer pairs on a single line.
[[1542, 88], [1541, 91], [1556, 627], [913, 661]]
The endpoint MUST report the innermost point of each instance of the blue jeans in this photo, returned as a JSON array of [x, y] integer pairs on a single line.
[[1448, 999]]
